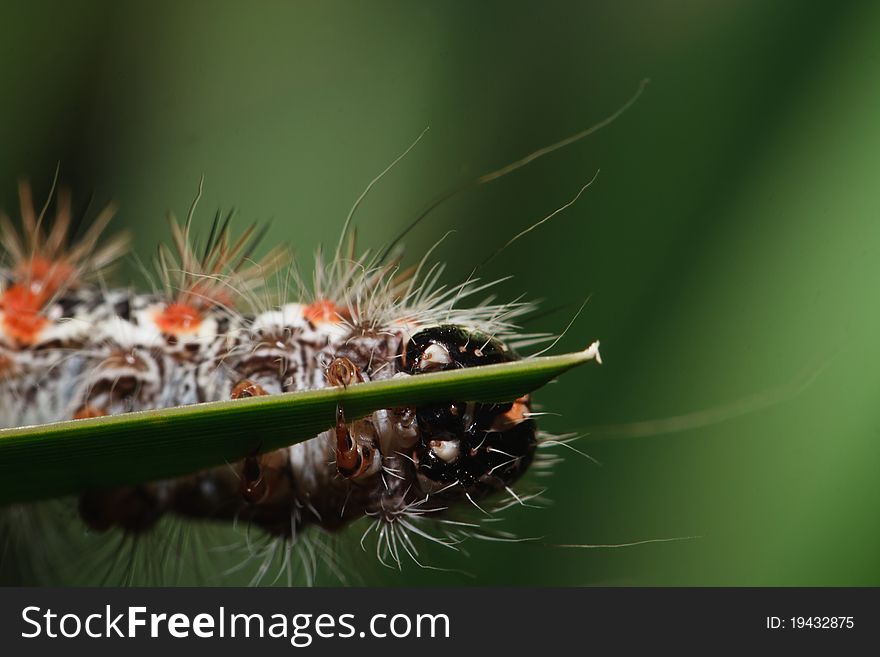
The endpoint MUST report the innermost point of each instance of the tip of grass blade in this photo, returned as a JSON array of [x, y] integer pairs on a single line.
[[592, 352]]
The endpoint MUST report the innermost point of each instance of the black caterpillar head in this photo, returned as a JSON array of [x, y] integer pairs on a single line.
[[448, 347], [482, 446]]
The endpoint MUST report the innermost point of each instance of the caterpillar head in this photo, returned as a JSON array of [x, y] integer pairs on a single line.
[[482, 446]]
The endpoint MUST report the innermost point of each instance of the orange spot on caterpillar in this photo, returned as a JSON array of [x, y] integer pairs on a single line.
[[21, 306], [519, 412], [49, 276], [324, 311], [178, 318]]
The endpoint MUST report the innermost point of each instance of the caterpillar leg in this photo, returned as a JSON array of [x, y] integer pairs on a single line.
[[247, 388], [89, 410], [343, 372], [357, 453], [135, 509], [265, 482]]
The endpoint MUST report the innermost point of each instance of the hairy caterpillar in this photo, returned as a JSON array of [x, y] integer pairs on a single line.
[[73, 351], [70, 347]]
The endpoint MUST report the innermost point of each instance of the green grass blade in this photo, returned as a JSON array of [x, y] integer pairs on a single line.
[[68, 457]]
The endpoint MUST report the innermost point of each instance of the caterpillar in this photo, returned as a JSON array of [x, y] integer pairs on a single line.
[[75, 350], [223, 324]]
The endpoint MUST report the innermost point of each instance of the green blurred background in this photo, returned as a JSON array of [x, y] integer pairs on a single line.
[[731, 240]]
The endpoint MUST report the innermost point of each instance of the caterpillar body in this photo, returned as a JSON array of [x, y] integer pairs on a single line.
[[70, 347]]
